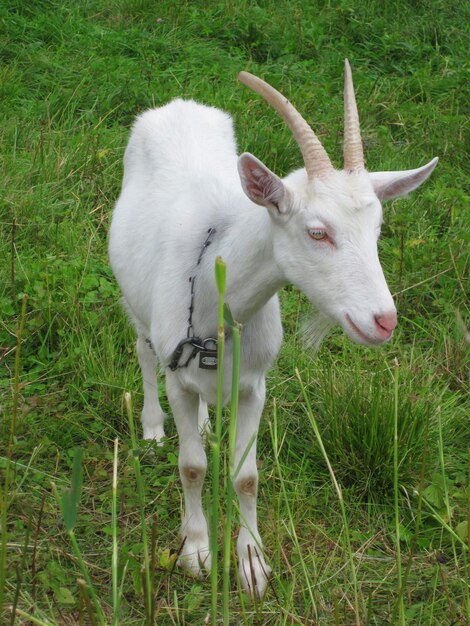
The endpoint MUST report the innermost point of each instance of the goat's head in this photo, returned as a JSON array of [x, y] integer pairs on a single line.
[[326, 222]]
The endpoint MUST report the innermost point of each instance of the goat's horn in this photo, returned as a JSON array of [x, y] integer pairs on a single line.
[[353, 152], [317, 161]]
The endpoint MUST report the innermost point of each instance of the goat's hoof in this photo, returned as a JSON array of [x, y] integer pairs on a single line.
[[254, 571], [195, 557], [154, 433]]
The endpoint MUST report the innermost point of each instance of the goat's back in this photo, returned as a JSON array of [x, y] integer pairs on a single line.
[[180, 178], [180, 140]]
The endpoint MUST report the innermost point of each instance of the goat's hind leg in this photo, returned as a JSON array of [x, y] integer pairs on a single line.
[[192, 463], [152, 414]]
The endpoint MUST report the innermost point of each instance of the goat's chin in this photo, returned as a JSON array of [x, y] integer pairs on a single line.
[[315, 329], [318, 325]]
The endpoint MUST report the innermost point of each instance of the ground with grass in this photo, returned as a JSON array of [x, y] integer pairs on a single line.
[[73, 76]]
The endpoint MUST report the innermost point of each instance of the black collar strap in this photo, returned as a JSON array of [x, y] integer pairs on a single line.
[[206, 348]]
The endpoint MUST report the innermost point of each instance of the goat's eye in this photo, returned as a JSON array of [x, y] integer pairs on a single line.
[[317, 233]]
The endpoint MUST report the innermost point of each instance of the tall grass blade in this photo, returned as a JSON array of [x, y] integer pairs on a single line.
[[401, 608], [232, 433], [215, 439], [274, 437], [114, 558], [419, 511], [444, 479], [449, 516], [249, 445], [339, 493], [141, 498], [69, 502]]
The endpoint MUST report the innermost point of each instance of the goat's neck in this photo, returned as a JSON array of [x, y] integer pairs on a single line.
[[253, 275]]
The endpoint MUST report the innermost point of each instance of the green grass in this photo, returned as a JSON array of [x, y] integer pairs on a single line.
[[72, 78]]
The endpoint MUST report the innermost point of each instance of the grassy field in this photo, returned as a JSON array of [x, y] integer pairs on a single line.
[[73, 76]]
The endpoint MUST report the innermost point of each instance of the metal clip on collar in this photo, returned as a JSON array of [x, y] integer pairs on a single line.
[[197, 345], [208, 356]]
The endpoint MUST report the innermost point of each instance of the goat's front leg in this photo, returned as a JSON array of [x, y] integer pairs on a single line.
[[152, 414], [254, 572], [192, 465]]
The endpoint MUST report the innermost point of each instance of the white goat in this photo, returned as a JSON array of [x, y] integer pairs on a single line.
[[318, 230]]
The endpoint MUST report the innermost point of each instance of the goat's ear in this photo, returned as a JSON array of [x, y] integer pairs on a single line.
[[389, 185], [261, 185]]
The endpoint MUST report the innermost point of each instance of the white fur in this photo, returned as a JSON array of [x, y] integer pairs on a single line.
[[180, 179]]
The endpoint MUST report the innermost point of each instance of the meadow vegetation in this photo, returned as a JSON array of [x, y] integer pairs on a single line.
[[394, 547]]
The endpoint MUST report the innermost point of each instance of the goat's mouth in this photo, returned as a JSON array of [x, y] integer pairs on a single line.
[[382, 336]]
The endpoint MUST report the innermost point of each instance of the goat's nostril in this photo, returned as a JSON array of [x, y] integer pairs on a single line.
[[387, 321]]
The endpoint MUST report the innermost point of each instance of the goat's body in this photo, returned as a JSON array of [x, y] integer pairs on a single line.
[[317, 232], [180, 179]]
